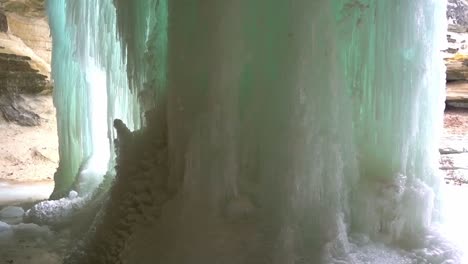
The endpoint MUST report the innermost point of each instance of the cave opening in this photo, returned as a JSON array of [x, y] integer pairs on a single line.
[[249, 132]]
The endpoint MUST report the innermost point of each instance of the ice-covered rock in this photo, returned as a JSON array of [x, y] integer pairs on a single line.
[[55, 212], [12, 214], [31, 231], [72, 195], [6, 232]]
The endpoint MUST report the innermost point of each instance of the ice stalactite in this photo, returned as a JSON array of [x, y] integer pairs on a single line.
[[280, 131], [395, 78], [70, 120]]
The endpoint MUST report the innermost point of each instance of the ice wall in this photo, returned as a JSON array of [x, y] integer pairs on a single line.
[[324, 114], [395, 78], [289, 126], [91, 90]]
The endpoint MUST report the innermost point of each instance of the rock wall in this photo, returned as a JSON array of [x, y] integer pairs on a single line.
[[24, 31], [25, 55], [27, 20], [34, 32], [456, 54], [457, 13], [17, 75]]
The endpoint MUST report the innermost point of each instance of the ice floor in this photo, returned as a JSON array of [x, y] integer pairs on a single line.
[[17, 193], [454, 222], [22, 243]]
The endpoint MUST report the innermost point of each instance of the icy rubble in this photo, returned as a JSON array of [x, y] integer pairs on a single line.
[[31, 243], [56, 212]]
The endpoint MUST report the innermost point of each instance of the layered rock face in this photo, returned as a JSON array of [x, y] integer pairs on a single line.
[[16, 74], [25, 54], [28, 132], [27, 20], [24, 31], [456, 55]]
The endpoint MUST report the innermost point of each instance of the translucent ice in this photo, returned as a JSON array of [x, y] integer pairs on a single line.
[[313, 120]]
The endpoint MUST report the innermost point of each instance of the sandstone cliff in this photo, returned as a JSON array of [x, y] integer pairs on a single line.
[[456, 55], [25, 54]]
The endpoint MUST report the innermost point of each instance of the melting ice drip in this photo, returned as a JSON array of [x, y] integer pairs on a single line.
[[315, 120]]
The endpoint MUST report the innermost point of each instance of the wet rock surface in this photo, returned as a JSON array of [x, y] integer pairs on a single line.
[[3, 22]]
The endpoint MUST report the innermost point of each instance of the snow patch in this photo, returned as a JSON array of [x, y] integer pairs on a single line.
[[6, 232], [12, 215], [56, 212]]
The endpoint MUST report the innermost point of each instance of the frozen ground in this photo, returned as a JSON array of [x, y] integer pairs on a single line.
[[22, 243], [13, 193], [31, 244]]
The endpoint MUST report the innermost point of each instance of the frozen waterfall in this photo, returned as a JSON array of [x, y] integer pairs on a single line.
[[264, 131], [92, 89]]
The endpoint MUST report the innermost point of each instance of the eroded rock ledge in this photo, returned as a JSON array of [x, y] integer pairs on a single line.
[[456, 54], [25, 54]]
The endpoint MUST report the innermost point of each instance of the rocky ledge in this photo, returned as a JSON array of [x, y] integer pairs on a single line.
[[17, 75], [25, 49], [456, 54]]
